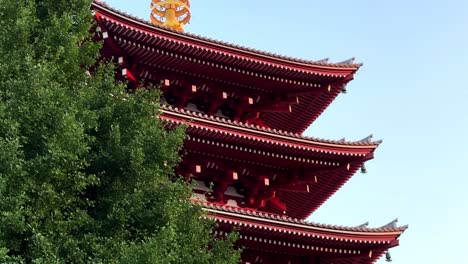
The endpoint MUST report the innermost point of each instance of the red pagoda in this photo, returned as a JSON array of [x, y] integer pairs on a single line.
[[245, 110]]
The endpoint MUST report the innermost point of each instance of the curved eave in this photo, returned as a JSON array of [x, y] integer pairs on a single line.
[[279, 137], [298, 227], [267, 233], [145, 27]]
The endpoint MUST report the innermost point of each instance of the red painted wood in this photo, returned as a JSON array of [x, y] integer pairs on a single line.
[[275, 176]]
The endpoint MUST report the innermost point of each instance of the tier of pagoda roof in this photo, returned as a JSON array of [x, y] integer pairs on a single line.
[[161, 52], [219, 55], [266, 232], [321, 166], [347, 64], [365, 143], [359, 230]]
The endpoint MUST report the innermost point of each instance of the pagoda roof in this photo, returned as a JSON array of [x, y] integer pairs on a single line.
[[322, 63], [276, 234], [366, 142], [163, 52], [390, 228], [323, 165]]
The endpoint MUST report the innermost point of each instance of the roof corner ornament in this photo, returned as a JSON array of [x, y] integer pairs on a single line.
[[173, 14], [392, 224], [364, 225], [388, 257], [363, 168]]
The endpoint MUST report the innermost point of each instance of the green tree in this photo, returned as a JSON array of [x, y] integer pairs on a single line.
[[86, 170]]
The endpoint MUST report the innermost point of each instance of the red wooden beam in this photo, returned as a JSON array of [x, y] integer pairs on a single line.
[[275, 201], [129, 75], [279, 108]]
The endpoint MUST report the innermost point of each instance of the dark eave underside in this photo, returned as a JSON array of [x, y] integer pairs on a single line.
[[220, 140]]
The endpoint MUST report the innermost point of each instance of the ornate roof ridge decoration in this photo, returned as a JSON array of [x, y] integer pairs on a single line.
[[392, 224], [342, 142], [306, 224], [322, 62], [366, 224], [174, 14]]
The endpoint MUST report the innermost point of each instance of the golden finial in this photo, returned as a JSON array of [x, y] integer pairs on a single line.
[[174, 14]]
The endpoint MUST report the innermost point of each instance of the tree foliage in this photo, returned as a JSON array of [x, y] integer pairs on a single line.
[[86, 171]]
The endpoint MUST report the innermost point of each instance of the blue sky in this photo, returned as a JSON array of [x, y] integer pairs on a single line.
[[412, 92]]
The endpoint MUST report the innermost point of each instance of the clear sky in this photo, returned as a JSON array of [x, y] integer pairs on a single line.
[[412, 92]]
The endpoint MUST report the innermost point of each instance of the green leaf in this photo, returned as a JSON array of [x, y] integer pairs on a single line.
[[86, 171]]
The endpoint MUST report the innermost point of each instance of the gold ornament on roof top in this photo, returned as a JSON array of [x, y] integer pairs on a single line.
[[174, 14]]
